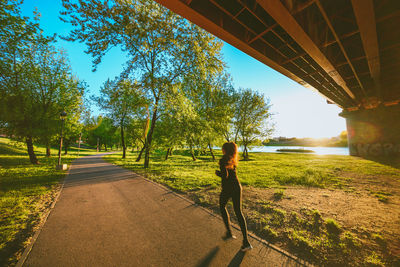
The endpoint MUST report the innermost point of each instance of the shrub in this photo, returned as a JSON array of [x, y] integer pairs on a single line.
[[373, 260], [278, 194], [333, 227]]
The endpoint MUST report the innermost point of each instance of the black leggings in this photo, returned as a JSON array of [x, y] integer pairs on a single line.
[[234, 192]]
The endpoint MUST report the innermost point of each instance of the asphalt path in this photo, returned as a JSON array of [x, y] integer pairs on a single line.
[[110, 216]]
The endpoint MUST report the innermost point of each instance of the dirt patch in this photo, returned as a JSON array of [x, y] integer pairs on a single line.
[[356, 211], [372, 226]]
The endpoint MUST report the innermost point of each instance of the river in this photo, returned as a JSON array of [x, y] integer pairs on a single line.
[[318, 150]]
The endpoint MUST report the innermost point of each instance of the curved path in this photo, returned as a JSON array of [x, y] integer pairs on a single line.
[[110, 216]]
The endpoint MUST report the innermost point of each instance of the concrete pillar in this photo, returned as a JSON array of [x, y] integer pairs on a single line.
[[374, 132]]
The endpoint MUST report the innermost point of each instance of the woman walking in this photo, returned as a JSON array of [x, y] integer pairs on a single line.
[[231, 188]]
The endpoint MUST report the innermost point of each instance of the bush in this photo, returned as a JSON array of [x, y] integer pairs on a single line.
[[278, 194], [333, 227]]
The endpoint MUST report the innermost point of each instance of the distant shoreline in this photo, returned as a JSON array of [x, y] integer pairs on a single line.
[[295, 150], [303, 145]]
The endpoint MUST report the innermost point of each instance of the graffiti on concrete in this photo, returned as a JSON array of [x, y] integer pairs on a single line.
[[376, 149]]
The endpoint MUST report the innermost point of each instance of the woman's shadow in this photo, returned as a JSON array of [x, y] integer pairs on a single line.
[[236, 261]]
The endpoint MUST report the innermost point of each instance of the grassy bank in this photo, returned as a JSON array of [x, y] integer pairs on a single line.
[[330, 210], [26, 192]]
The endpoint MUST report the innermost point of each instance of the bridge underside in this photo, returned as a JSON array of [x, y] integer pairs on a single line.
[[347, 50]]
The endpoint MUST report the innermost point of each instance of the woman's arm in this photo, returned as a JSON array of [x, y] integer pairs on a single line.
[[223, 172]]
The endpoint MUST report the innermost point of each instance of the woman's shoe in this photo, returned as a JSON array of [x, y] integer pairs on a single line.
[[246, 247], [228, 236]]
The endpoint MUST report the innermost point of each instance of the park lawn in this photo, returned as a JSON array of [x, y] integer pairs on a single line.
[[329, 210], [26, 193]]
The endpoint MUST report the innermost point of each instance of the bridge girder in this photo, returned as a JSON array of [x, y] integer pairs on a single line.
[[348, 51]]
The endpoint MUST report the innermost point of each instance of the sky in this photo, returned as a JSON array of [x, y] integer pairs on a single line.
[[298, 111]]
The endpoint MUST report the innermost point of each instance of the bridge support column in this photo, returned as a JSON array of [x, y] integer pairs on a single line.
[[374, 132]]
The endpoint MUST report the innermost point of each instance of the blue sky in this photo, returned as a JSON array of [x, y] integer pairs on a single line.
[[299, 112]]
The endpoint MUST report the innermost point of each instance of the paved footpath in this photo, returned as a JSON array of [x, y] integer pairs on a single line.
[[110, 216]]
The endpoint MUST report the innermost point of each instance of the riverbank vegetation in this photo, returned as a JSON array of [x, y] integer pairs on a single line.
[[338, 141], [329, 210], [26, 193]]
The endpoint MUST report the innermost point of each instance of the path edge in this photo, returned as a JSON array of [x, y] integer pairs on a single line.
[[28, 249]]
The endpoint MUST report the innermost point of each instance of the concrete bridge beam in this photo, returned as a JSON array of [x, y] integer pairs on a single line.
[[374, 132]]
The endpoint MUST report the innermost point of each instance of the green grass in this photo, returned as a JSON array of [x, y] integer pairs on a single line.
[[278, 194], [308, 234], [26, 190], [263, 170]]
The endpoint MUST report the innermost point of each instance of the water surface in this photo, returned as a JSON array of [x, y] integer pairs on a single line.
[[318, 150]]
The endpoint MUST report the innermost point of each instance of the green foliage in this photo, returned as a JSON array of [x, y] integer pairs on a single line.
[[124, 102], [36, 82], [373, 260], [350, 240], [162, 48], [278, 194], [300, 241], [382, 196], [333, 227], [379, 239], [269, 233], [252, 112]]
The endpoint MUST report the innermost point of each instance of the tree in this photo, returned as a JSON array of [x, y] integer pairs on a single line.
[[101, 131], [35, 83], [214, 102], [122, 100], [252, 119], [16, 35], [162, 46]]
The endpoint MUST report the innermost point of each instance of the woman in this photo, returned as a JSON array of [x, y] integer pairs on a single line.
[[231, 188]]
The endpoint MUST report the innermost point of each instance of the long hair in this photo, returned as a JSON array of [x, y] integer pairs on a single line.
[[230, 159]]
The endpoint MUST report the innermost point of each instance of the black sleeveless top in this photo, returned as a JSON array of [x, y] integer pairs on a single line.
[[228, 176]]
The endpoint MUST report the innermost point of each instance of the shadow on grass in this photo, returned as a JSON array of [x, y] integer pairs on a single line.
[[7, 162], [29, 182], [17, 243], [388, 161], [7, 149]]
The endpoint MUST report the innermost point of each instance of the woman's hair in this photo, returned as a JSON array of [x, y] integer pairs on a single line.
[[230, 159]]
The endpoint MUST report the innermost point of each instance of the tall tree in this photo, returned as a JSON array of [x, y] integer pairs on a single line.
[[35, 82], [101, 131], [122, 100], [162, 46], [252, 119]]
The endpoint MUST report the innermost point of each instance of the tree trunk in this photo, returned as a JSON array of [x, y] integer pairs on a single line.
[[79, 143], [141, 152], [149, 137], [123, 142], [191, 153], [66, 145], [211, 151], [32, 157], [105, 147], [245, 154], [167, 154], [48, 150], [170, 151]]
